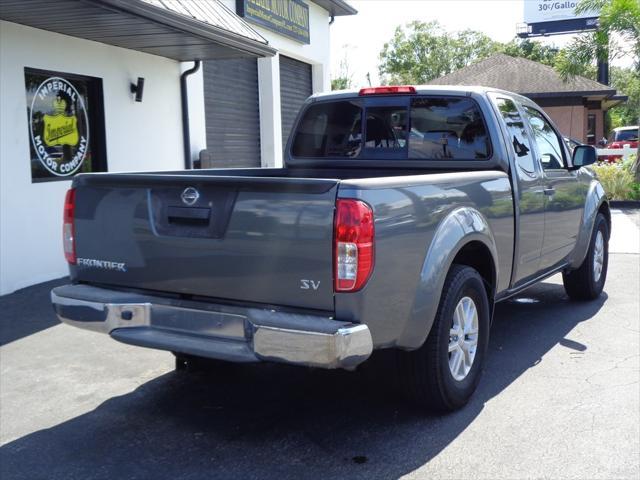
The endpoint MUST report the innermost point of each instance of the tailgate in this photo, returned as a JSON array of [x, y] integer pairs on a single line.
[[248, 239]]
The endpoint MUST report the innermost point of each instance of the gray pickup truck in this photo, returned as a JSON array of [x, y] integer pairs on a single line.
[[402, 216]]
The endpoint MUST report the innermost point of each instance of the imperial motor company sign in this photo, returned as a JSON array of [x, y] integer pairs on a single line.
[[286, 17], [59, 126], [65, 124]]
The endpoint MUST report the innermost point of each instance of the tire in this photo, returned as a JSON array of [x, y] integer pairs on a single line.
[[585, 283], [425, 373]]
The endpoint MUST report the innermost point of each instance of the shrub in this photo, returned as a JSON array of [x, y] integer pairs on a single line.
[[616, 179], [635, 186]]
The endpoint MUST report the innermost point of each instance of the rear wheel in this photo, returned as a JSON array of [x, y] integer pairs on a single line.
[[587, 282], [443, 373]]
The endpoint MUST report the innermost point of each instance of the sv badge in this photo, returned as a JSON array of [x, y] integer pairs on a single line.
[[309, 284]]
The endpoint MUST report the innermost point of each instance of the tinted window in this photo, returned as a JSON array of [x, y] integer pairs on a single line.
[[329, 130], [627, 135], [517, 133], [386, 127], [447, 129], [436, 128], [547, 140]]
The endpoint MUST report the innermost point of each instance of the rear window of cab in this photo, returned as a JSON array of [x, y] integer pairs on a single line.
[[429, 128]]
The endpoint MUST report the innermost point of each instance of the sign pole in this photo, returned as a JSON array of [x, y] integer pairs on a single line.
[[603, 71]]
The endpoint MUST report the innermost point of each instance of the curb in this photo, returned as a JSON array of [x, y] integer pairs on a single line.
[[624, 203]]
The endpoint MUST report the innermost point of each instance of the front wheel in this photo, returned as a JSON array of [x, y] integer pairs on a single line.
[[587, 282], [443, 373]]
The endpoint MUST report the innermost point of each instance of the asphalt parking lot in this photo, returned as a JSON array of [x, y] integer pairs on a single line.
[[560, 398]]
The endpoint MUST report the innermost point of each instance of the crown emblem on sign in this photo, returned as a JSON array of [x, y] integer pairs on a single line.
[[59, 106]]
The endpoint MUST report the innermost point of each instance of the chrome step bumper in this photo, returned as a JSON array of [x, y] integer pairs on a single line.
[[211, 330]]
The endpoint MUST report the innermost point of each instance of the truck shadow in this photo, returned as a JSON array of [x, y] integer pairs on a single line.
[[270, 421], [36, 301]]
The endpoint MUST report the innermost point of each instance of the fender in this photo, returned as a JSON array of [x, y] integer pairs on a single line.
[[460, 227], [595, 198]]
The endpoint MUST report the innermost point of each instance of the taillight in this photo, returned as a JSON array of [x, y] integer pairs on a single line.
[[389, 90], [68, 227], [353, 247]]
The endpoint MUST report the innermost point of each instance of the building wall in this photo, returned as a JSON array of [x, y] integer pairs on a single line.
[[571, 120], [139, 136], [317, 53]]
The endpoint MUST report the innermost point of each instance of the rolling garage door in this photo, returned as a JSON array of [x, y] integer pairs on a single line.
[[295, 88], [232, 112]]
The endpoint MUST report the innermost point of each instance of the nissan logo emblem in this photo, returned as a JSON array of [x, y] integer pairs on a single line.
[[190, 196]]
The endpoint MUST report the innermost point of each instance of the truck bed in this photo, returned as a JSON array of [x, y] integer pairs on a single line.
[[265, 236]]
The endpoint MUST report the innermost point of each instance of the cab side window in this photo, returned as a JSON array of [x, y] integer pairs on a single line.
[[547, 140], [518, 135]]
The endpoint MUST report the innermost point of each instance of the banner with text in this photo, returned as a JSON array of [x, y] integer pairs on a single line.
[[286, 17]]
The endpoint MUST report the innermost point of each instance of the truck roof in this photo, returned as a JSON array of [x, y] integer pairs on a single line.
[[422, 90]]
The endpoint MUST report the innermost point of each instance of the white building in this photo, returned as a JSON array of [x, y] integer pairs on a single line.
[[67, 105]]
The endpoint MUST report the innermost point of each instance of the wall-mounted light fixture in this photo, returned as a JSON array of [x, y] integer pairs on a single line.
[[138, 89]]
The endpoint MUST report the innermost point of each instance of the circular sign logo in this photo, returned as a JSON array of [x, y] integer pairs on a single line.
[[59, 127]]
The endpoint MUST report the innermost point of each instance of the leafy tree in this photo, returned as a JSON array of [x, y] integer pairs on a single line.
[[626, 81], [423, 51], [535, 51], [420, 52], [618, 19], [340, 83], [344, 80], [470, 46]]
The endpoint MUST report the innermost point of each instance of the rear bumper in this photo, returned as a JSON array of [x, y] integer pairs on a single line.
[[215, 331]]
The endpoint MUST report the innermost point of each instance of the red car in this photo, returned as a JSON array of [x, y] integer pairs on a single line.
[[621, 137]]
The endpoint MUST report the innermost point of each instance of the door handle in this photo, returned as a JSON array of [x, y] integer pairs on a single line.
[[549, 191]]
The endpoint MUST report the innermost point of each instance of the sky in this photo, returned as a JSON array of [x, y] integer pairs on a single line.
[[364, 34]]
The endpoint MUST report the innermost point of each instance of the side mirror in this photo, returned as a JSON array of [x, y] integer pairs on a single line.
[[583, 155]]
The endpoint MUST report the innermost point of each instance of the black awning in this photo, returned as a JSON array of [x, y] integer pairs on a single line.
[[145, 25]]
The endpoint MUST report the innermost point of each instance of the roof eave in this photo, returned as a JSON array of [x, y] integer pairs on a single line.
[[579, 93], [337, 8], [614, 101], [196, 27]]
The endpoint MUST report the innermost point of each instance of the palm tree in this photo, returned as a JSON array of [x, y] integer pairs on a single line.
[[621, 17]]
